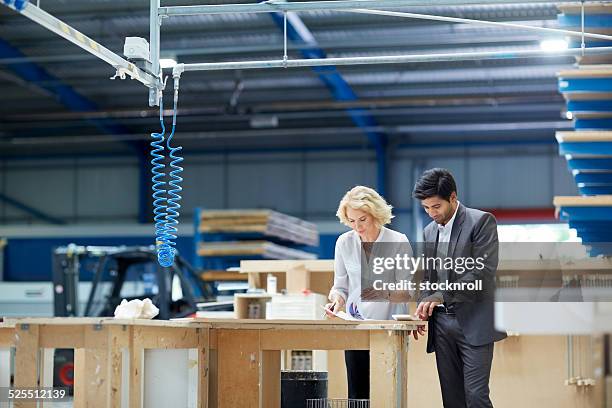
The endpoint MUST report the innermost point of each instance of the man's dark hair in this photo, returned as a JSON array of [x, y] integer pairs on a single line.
[[435, 182]]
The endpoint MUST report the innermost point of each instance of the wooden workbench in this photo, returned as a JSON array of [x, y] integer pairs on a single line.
[[99, 344], [238, 362]]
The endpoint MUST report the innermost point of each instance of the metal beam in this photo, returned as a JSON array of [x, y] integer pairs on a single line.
[[31, 210], [272, 6], [482, 22], [154, 46], [57, 26], [216, 150], [426, 129], [388, 59]]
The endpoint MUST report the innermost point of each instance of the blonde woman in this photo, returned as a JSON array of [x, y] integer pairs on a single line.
[[364, 211]]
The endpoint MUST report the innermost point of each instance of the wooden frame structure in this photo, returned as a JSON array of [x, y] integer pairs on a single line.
[[238, 361]]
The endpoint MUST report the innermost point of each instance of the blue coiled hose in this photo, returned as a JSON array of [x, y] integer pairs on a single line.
[[166, 194]]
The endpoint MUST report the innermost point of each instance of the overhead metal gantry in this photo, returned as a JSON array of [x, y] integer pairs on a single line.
[[154, 81], [274, 6], [373, 7]]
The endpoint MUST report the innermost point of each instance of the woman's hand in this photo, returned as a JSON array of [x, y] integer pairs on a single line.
[[337, 303]]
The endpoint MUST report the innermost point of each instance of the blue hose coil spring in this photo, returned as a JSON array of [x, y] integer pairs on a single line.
[[166, 194]]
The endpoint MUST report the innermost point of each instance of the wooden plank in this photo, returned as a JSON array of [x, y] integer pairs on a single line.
[[602, 71], [233, 228], [317, 325], [119, 340], [270, 223], [234, 213], [78, 321], [62, 336], [213, 372], [591, 115], [264, 248], [232, 248], [321, 282], [80, 387], [388, 378], [256, 281], [584, 136], [213, 276], [97, 367], [271, 379], [297, 279], [7, 337], [315, 265], [26, 360], [238, 359], [337, 386], [165, 337], [136, 373], [587, 96], [283, 339], [203, 367], [583, 201]]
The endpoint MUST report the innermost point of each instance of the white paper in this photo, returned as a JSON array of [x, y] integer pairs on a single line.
[[343, 315]]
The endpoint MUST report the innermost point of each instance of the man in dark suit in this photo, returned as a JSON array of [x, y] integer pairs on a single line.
[[460, 321]]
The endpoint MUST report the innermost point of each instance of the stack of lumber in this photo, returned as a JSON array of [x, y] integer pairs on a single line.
[[266, 222], [264, 249]]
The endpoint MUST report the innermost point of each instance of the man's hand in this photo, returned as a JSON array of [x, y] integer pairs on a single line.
[[425, 309], [336, 304], [420, 330]]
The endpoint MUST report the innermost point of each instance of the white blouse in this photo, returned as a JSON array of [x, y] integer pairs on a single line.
[[347, 274]]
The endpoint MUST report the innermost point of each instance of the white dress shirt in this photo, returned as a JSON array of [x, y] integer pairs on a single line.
[[347, 274], [444, 235], [444, 231]]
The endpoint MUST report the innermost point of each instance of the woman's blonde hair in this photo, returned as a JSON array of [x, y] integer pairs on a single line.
[[365, 199]]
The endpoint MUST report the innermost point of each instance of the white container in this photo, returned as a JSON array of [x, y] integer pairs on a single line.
[[271, 284]]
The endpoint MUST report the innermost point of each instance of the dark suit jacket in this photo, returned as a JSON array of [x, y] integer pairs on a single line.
[[474, 234]]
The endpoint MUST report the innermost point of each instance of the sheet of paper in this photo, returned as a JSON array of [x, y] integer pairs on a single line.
[[342, 315]]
